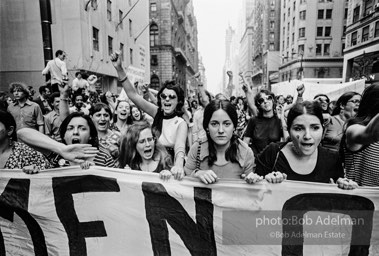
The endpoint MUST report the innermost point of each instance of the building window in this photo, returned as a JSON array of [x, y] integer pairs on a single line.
[[328, 14], [289, 12], [301, 32], [130, 28], [153, 7], [293, 38], [293, 21], [303, 1], [288, 41], [122, 51], [154, 82], [272, 14], [365, 33], [131, 56], [272, 24], [154, 60], [302, 15], [327, 31], [354, 38], [320, 14], [120, 14], [272, 36], [284, 31], [110, 45], [294, 6], [288, 27], [301, 49], [368, 7], [345, 15], [356, 14], [95, 38], [319, 31], [109, 10], [318, 49], [376, 29], [271, 47], [326, 49]]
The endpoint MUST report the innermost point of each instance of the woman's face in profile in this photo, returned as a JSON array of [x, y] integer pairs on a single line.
[[306, 133]]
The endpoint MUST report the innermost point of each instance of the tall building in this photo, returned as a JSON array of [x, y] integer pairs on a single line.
[[266, 40], [88, 31], [361, 54], [231, 62], [173, 42], [312, 38]]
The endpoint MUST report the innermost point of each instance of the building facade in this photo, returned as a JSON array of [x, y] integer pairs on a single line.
[[173, 42], [88, 31], [312, 39], [361, 54]]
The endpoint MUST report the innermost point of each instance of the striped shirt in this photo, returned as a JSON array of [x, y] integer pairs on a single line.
[[362, 166]]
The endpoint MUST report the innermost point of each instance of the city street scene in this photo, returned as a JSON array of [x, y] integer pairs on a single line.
[[189, 127]]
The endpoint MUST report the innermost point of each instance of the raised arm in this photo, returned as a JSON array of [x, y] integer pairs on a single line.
[[249, 95], [64, 110], [137, 99], [300, 91], [358, 135]]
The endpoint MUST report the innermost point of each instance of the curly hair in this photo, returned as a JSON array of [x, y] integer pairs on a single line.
[[258, 96], [128, 152]]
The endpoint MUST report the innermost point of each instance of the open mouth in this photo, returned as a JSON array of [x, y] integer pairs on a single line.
[[307, 145], [75, 141]]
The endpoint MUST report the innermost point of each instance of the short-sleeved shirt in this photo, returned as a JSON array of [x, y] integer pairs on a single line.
[[22, 155], [333, 133], [272, 159], [52, 125], [27, 116], [169, 131], [230, 170], [262, 131]]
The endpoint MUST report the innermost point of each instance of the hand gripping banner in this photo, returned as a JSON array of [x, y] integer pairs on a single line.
[[103, 211]]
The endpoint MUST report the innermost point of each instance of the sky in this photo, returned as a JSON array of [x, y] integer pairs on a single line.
[[213, 18]]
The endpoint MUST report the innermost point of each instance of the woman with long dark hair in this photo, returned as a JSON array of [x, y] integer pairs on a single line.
[[360, 146], [345, 108], [222, 154], [302, 158], [168, 126]]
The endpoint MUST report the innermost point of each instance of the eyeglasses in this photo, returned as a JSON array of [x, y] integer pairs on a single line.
[[170, 96], [261, 100], [355, 101], [149, 140]]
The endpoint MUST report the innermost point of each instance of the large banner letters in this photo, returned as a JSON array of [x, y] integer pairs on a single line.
[[117, 212]]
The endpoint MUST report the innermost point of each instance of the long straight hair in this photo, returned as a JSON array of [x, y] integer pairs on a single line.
[[231, 154]]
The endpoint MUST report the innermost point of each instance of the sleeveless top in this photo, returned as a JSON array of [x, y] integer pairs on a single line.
[[362, 166]]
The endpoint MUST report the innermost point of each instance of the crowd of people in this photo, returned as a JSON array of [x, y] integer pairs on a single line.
[[258, 137]]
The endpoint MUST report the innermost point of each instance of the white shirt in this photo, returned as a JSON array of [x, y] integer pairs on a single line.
[[169, 131], [57, 69]]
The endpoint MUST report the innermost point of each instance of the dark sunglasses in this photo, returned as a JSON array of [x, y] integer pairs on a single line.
[[170, 96], [261, 100]]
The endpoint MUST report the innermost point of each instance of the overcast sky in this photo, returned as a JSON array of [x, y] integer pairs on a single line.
[[213, 18]]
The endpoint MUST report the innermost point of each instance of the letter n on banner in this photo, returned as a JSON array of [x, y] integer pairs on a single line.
[[354, 206], [161, 208], [64, 188], [15, 199]]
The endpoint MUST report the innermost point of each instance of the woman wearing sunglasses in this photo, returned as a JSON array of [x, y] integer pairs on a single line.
[[266, 127], [346, 107], [221, 154], [168, 126]]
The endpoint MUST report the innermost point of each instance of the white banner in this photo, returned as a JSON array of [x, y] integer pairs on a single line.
[[105, 211]]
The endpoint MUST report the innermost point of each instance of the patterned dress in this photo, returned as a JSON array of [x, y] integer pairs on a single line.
[[22, 155]]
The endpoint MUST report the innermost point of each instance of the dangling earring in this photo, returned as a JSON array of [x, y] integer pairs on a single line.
[[10, 141]]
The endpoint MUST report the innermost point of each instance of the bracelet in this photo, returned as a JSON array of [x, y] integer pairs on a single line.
[[123, 80], [64, 99]]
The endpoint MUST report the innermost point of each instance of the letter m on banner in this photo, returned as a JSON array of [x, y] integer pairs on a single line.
[[161, 209]]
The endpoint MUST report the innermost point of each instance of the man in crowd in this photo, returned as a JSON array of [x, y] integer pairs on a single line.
[[52, 119], [79, 104], [25, 112], [42, 99], [57, 69], [80, 85]]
